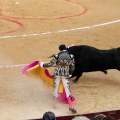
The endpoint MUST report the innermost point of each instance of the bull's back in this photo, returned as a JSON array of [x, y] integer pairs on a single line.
[[82, 50]]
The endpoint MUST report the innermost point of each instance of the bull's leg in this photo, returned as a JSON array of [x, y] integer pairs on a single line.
[[118, 68], [105, 71], [77, 77], [118, 64]]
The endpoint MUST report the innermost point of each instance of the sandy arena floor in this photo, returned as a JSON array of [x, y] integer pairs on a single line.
[[33, 30]]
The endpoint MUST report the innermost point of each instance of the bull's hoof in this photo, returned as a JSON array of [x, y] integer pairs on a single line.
[[74, 81], [105, 72]]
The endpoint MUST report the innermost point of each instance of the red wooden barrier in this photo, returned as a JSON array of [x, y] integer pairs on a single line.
[[113, 113]]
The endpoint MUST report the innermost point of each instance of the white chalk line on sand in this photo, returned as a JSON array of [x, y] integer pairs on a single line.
[[10, 66], [61, 31]]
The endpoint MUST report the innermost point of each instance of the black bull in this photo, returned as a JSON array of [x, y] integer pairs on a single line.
[[89, 59]]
